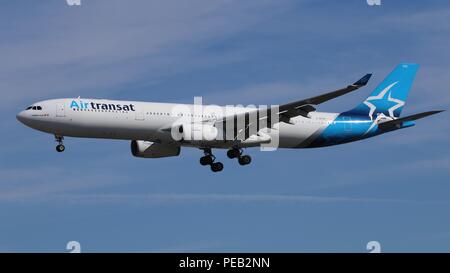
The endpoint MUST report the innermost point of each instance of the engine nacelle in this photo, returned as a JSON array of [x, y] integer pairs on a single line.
[[195, 132], [148, 149]]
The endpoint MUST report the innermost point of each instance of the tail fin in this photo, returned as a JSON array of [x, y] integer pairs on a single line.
[[390, 96]]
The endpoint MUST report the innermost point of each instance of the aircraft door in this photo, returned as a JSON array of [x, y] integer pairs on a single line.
[[139, 115], [347, 124], [60, 111]]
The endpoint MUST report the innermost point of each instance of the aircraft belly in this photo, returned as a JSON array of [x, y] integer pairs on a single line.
[[292, 135], [108, 127], [127, 127]]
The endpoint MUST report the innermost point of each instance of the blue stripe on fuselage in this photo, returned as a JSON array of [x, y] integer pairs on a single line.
[[345, 128]]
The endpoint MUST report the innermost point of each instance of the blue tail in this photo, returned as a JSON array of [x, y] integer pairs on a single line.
[[390, 96]]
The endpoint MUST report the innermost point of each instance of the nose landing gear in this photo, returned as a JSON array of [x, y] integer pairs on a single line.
[[60, 147]]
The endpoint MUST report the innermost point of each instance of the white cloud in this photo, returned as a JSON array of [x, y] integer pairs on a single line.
[[216, 198], [345, 178], [37, 184]]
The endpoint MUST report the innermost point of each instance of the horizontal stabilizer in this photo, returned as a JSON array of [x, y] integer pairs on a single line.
[[398, 123]]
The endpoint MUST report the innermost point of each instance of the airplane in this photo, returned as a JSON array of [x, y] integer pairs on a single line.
[[160, 129]]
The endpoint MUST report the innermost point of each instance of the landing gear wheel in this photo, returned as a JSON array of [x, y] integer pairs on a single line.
[[60, 148], [245, 160], [233, 153], [216, 167], [206, 160]]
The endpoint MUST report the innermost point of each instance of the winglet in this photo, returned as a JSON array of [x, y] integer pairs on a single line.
[[363, 81]]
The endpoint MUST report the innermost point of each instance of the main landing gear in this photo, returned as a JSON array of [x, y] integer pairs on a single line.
[[237, 153], [208, 159], [60, 147]]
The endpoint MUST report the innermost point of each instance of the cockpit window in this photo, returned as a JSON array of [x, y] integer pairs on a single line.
[[35, 108], [28, 108], [39, 107]]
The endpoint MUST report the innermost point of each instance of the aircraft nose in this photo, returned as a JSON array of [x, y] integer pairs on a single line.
[[21, 117]]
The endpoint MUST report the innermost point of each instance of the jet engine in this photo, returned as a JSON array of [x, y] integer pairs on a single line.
[[148, 149]]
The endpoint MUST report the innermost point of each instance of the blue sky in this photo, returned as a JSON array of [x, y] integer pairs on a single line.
[[393, 188]]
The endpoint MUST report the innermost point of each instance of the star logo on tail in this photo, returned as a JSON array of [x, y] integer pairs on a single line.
[[380, 101]]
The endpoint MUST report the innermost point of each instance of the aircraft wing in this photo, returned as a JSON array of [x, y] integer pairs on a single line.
[[398, 123], [303, 107], [250, 120]]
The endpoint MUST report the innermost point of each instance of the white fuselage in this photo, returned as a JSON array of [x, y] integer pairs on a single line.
[[133, 120]]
